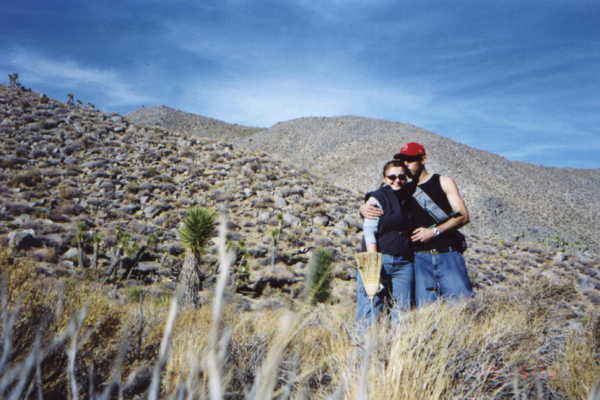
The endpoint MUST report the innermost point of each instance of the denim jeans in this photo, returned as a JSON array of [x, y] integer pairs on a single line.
[[397, 276], [442, 275]]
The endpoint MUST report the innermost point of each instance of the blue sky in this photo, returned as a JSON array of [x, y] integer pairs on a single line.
[[517, 78]]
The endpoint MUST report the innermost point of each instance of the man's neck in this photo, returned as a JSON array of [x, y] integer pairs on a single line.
[[423, 177]]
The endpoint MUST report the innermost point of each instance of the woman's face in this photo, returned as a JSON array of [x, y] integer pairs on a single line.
[[395, 177]]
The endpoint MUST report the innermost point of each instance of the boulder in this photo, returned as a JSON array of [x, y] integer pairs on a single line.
[[23, 240]]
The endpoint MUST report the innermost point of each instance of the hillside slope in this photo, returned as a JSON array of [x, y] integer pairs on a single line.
[[507, 199], [68, 174], [175, 120]]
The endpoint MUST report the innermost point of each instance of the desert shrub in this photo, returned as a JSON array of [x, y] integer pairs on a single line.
[[502, 344], [318, 281], [197, 228], [28, 178], [195, 231], [579, 363]]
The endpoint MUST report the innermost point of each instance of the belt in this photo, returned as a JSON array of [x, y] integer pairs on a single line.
[[437, 251]]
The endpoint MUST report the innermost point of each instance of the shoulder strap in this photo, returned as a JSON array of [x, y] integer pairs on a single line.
[[430, 206]]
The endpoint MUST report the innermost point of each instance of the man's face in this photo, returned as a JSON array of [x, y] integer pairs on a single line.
[[415, 166]]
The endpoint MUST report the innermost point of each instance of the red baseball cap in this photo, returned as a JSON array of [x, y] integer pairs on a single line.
[[412, 149]]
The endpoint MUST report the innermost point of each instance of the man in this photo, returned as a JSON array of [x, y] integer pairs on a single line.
[[440, 270]]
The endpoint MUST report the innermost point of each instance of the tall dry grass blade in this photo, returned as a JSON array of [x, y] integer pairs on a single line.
[[192, 378], [180, 392], [38, 378], [213, 360], [91, 383], [595, 392], [165, 345], [369, 267], [338, 394], [8, 378], [75, 327], [24, 373], [266, 379], [286, 391], [362, 392], [115, 381], [8, 322]]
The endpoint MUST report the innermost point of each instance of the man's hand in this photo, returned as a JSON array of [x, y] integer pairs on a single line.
[[422, 234], [370, 211]]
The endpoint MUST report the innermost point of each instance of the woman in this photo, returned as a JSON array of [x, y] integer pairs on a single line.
[[389, 235]]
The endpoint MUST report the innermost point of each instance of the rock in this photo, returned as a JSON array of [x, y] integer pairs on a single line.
[[344, 271], [276, 275], [291, 220], [71, 254], [263, 217], [258, 251], [321, 220], [147, 267], [22, 240], [279, 202], [12, 162], [354, 222], [559, 257], [584, 282]]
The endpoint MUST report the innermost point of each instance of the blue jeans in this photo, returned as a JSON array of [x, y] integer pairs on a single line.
[[442, 275], [397, 275]]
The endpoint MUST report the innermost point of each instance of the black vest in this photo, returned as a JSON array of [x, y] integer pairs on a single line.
[[393, 231]]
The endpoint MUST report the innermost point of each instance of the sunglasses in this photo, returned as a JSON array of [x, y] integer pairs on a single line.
[[394, 177]]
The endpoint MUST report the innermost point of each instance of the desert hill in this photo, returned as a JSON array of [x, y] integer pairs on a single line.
[[67, 171], [507, 199], [175, 120], [91, 199]]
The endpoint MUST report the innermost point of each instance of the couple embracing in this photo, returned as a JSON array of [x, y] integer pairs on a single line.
[[414, 224]]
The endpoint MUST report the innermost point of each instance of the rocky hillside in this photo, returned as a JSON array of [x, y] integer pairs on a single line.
[[507, 199], [88, 193], [175, 120]]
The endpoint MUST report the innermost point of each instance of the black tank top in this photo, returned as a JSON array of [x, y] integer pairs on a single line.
[[420, 217]]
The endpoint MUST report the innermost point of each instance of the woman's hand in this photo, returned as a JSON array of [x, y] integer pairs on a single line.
[[370, 211]]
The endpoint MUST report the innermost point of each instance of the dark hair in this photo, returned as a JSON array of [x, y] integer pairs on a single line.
[[393, 163]]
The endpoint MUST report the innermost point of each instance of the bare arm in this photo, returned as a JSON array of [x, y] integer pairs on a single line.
[[457, 203], [370, 227]]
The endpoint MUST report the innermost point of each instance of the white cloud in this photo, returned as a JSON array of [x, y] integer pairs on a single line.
[[71, 76], [271, 99]]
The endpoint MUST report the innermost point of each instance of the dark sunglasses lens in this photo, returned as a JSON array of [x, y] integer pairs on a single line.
[[394, 177]]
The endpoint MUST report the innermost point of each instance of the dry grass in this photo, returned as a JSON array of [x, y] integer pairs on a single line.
[[499, 345]]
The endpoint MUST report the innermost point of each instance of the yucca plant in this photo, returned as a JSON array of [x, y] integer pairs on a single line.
[[195, 231], [318, 283]]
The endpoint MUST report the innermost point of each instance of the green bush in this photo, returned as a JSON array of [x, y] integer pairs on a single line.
[[318, 282], [197, 229]]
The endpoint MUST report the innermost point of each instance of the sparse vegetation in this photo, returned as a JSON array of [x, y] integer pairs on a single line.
[[13, 80], [195, 232], [118, 191], [490, 347], [319, 279]]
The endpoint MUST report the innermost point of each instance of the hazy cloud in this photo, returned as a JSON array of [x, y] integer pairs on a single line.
[[69, 75]]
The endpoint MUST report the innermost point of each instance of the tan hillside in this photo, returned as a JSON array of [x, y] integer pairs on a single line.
[[507, 199], [175, 120]]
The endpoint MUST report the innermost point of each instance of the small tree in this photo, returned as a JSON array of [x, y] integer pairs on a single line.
[[195, 232], [14, 80], [318, 282]]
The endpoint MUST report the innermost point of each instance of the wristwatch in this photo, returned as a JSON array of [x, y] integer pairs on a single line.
[[436, 231]]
